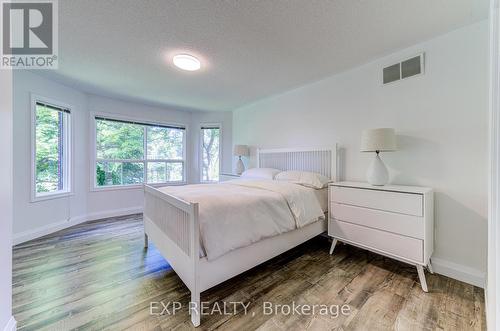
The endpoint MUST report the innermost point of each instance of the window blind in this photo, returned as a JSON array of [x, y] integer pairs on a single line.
[[141, 123], [46, 105]]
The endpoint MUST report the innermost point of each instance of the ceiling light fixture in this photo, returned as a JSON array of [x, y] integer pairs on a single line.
[[186, 62]]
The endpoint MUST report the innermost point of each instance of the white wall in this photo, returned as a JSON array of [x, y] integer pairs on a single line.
[[441, 119], [30, 216], [493, 280], [101, 201], [33, 219], [7, 322]]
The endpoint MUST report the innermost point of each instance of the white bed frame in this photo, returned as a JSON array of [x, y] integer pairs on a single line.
[[173, 226]]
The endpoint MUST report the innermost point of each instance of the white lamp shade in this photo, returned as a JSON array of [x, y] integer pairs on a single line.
[[383, 140], [240, 150]]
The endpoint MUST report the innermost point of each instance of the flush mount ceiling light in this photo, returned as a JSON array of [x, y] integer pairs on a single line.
[[186, 62]]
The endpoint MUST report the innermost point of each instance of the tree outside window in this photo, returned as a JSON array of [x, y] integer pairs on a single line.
[[131, 153], [210, 150], [51, 149]]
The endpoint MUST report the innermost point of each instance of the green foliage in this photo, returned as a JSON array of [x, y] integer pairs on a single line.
[[100, 175], [119, 173], [119, 141], [48, 123], [165, 143], [125, 141], [174, 172], [157, 172], [114, 141]]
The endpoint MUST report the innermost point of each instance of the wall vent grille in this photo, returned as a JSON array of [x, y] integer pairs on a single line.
[[413, 66]]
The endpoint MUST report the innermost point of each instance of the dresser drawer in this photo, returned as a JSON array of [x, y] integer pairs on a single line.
[[381, 241], [398, 202], [408, 225]]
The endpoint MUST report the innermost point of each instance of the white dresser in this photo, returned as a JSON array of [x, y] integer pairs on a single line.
[[392, 220]]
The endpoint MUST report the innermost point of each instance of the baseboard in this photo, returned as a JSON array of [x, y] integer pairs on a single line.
[[11, 325], [460, 272], [113, 213], [19, 238]]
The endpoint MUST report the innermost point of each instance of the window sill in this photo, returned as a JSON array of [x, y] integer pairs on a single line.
[[52, 196], [167, 184], [133, 187]]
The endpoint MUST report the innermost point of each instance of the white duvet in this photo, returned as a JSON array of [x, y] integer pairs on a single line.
[[239, 213]]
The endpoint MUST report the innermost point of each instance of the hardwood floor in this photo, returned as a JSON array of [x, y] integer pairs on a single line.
[[97, 276]]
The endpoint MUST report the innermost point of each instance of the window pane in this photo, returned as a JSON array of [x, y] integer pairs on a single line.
[[49, 150], [157, 172], [210, 154], [175, 172], [165, 143], [119, 173], [119, 141], [120, 147]]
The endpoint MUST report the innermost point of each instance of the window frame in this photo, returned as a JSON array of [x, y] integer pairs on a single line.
[[200, 150], [67, 147], [144, 161]]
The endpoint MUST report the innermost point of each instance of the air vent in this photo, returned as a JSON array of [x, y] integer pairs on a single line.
[[408, 68]]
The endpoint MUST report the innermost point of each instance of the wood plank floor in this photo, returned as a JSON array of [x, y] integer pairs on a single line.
[[97, 276]]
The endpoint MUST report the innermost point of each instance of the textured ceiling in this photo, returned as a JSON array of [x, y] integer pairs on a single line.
[[249, 49]]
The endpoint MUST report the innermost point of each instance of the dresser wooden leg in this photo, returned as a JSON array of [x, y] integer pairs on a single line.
[[421, 277], [145, 241], [334, 242], [195, 308], [429, 267]]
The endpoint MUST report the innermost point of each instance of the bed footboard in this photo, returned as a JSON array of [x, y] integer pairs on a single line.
[[172, 225]]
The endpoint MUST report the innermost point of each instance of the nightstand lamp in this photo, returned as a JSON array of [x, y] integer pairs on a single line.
[[378, 140], [239, 151]]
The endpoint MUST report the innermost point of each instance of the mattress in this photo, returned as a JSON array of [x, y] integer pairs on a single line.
[[236, 214], [322, 196]]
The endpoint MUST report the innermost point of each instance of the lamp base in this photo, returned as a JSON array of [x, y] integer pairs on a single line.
[[240, 167], [377, 173]]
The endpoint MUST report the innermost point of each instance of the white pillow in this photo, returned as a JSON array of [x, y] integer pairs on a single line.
[[304, 178], [260, 173]]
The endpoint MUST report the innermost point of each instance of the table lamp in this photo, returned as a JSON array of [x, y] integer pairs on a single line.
[[378, 140], [239, 151]]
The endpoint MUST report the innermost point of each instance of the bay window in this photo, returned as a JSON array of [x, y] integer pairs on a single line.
[[130, 153]]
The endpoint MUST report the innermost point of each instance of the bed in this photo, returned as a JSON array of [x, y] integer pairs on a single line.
[[173, 224]]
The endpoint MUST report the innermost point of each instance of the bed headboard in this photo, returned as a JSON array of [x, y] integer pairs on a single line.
[[321, 160]]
